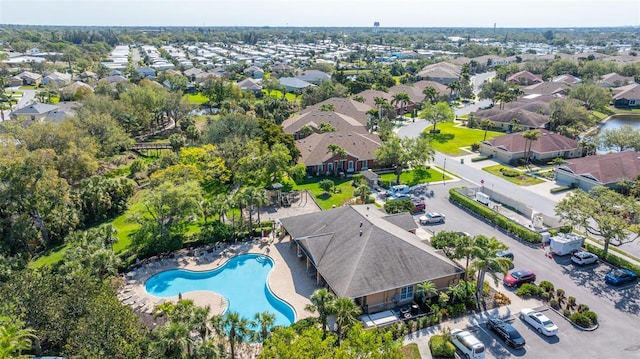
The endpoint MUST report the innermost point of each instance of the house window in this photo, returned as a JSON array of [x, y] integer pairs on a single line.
[[329, 167], [406, 293], [350, 166], [365, 165]]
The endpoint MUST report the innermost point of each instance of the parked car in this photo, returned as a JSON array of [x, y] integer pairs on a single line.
[[432, 217], [419, 206], [507, 332], [539, 322], [399, 196], [505, 254], [519, 277], [467, 343], [398, 189], [582, 258], [620, 276]]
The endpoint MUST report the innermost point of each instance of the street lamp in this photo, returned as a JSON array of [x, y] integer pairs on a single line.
[[444, 171]]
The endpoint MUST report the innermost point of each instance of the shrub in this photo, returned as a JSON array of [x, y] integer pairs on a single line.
[[440, 347], [580, 319], [528, 290], [501, 299], [490, 215], [509, 172], [560, 293], [560, 189], [583, 308], [566, 312], [554, 304], [593, 317], [545, 296], [475, 147], [571, 302], [546, 285], [480, 158]]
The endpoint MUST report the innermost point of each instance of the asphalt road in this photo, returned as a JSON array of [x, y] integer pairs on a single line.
[[618, 308]]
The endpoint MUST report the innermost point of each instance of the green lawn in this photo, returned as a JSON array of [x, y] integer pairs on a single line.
[[278, 95], [410, 351], [328, 200], [414, 177], [451, 138], [521, 180], [28, 87], [196, 99], [51, 257]]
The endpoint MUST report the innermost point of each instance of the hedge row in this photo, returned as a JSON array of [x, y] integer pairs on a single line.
[[480, 158], [612, 258], [441, 347], [490, 215], [560, 189]]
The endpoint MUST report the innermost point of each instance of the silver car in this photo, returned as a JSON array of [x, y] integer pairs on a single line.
[[583, 258], [432, 217]]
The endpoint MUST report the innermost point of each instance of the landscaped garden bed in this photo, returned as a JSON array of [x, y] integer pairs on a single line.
[[512, 175]]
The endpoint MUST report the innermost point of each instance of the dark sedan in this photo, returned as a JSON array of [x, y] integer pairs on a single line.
[[507, 332]]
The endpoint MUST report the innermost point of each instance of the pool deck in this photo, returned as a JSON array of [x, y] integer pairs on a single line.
[[289, 279]]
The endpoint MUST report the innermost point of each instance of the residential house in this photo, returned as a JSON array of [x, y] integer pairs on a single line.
[[249, 84], [293, 84], [57, 79], [315, 118], [70, 92], [319, 161], [524, 78], [282, 69], [315, 77], [362, 253], [443, 91], [415, 94], [627, 96], [369, 97], [26, 78], [513, 147], [192, 73], [615, 80], [146, 73], [558, 89], [442, 72], [345, 106], [114, 79], [567, 79], [522, 114], [599, 170], [254, 72], [35, 112]]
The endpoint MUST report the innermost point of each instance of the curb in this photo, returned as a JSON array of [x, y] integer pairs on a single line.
[[574, 324]]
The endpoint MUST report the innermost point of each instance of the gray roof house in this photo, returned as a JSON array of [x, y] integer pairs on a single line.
[[314, 118], [627, 96], [345, 106], [35, 112], [58, 79], [442, 72], [249, 84], [146, 73], [359, 252], [293, 84], [614, 80], [600, 170], [314, 76]]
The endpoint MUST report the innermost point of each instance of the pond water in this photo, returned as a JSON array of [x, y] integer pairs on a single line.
[[617, 121]]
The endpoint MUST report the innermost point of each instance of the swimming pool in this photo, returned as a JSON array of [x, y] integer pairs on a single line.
[[242, 281]]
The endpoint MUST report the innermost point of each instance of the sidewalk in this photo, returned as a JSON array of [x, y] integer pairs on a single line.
[[421, 337]]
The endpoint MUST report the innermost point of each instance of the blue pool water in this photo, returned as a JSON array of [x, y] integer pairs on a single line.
[[242, 281]]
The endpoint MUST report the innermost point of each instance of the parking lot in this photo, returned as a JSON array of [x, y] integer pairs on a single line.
[[618, 308]]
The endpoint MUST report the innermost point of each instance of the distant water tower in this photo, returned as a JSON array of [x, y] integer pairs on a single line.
[[376, 24]]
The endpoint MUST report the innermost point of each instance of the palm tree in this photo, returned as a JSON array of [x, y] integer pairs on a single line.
[[363, 191], [260, 200], [346, 312], [486, 124], [426, 290], [430, 94], [264, 323], [401, 99], [515, 124], [199, 321], [465, 246], [454, 87], [14, 339], [530, 136], [321, 302], [337, 151], [380, 102], [486, 261], [173, 340], [234, 327]]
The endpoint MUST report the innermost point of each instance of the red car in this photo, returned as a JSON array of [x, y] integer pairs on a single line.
[[518, 277], [419, 206]]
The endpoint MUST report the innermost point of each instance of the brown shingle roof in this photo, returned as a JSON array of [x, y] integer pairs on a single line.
[[548, 142], [313, 148], [369, 96], [345, 106], [359, 252], [607, 169], [314, 118]]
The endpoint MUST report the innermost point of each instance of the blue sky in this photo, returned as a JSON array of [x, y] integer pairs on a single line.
[[347, 13]]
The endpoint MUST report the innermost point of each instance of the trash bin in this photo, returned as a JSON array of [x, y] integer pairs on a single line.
[[462, 160]]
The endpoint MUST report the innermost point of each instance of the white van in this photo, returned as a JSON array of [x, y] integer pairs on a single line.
[[467, 343], [398, 189]]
